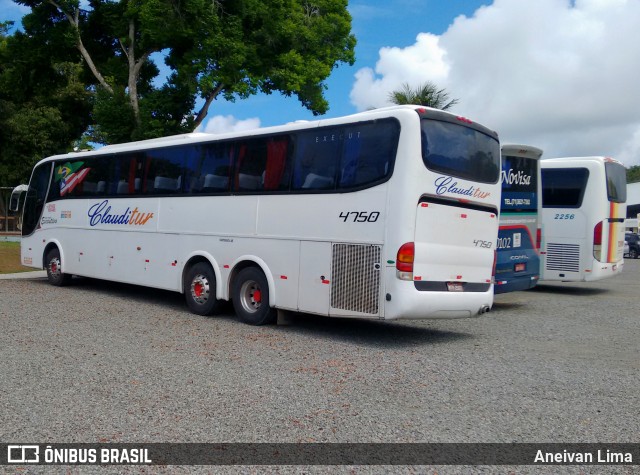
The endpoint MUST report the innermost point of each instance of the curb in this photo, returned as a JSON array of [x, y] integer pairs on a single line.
[[39, 274]]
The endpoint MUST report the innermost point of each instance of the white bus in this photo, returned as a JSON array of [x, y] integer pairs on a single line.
[[391, 213], [583, 213]]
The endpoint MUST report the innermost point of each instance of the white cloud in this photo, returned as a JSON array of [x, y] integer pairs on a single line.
[[221, 124], [413, 64], [557, 74]]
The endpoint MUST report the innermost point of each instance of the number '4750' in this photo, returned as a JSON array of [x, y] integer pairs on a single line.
[[359, 216]]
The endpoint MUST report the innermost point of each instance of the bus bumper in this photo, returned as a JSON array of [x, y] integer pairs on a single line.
[[404, 301], [514, 284], [603, 270]]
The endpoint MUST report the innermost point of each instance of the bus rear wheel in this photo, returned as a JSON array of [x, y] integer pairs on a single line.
[[251, 297], [53, 265], [200, 289]]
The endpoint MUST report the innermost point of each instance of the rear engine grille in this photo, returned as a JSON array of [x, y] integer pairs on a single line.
[[355, 278], [563, 257]]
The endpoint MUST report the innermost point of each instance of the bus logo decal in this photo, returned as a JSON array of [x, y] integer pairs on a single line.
[[100, 213], [518, 178], [69, 175], [443, 185]]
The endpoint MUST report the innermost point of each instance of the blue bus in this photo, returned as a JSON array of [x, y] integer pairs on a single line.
[[518, 260]]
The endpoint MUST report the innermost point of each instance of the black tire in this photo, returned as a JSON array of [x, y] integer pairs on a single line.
[[633, 254], [200, 289], [251, 297], [53, 265]]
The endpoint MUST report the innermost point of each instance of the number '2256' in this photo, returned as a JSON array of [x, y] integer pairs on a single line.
[[359, 216]]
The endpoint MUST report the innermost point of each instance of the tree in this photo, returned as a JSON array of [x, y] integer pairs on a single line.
[[633, 174], [427, 94], [44, 104], [214, 48]]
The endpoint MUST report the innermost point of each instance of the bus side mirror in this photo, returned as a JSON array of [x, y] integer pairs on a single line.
[[16, 196]]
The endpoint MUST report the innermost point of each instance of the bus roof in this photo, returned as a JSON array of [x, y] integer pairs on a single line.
[[159, 140], [599, 159], [518, 150]]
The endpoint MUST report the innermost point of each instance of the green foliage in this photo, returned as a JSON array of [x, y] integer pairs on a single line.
[[633, 174], [77, 75], [426, 94], [113, 117], [214, 48], [43, 101]]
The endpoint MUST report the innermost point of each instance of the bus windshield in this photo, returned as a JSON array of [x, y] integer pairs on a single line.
[[616, 182], [460, 151]]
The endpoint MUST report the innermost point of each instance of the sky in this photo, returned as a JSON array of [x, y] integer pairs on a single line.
[[562, 75]]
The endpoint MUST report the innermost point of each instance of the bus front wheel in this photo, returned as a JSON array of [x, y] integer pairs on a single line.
[[54, 269], [251, 297], [200, 289]]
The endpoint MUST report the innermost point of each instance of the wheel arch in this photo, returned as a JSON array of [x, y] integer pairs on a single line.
[[201, 256], [245, 261], [53, 244]]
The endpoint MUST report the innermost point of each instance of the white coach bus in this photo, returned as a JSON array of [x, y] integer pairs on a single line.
[[583, 213], [388, 214]]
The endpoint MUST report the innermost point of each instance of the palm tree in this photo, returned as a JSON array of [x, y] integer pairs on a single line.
[[426, 94]]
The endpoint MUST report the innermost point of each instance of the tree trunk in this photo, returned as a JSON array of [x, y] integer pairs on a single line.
[[133, 77], [74, 21], [205, 108]]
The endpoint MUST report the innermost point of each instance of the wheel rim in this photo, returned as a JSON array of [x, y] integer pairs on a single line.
[[250, 296], [200, 289], [54, 267]]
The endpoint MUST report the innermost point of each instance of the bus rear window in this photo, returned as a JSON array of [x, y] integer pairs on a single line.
[[563, 187], [616, 182], [460, 151]]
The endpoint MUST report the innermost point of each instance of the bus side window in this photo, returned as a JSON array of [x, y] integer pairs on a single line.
[[164, 169], [278, 168], [208, 168], [315, 159], [251, 165], [368, 151], [126, 168], [99, 174], [72, 178]]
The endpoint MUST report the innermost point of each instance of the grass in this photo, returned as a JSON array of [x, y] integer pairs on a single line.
[[10, 258]]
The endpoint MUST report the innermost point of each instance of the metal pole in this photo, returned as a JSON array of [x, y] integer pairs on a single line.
[[6, 206], [6, 214]]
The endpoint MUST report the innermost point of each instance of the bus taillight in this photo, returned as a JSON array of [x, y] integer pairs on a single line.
[[597, 234], [597, 241], [404, 261], [495, 263], [538, 238]]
